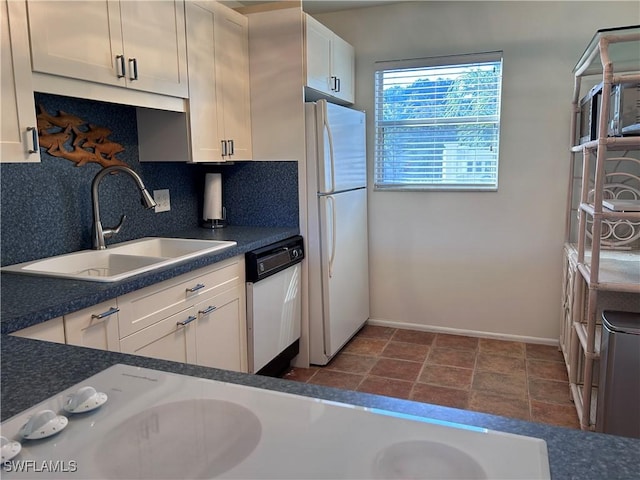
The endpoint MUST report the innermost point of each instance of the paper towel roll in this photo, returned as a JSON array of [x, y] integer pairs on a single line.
[[212, 197]]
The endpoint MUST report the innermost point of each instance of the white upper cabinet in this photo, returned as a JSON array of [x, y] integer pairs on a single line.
[[219, 101], [139, 45], [330, 62], [18, 134]]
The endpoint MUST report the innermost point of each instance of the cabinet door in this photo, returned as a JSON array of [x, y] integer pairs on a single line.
[[76, 39], [342, 67], [18, 137], [219, 99], [232, 81], [172, 338], [49, 331], [204, 119], [94, 327], [221, 332], [318, 50], [153, 34]]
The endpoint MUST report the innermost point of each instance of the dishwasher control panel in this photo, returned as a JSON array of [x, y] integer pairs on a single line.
[[266, 261]]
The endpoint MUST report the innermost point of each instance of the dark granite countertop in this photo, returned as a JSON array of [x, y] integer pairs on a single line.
[[28, 300], [33, 370]]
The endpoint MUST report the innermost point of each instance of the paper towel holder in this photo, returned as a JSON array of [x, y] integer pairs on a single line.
[[216, 222]]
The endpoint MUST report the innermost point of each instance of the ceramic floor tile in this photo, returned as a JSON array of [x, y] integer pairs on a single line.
[[445, 376], [497, 404], [501, 347], [512, 379], [547, 370], [500, 363], [406, 351], [554, 414], [500, 383], [398, 369], [377, 331], [331, 378], [386, 386], [452, 357], [549, 391], [448, 397], [544, 352], [300, 374], [413, 336], [351, 363], [456, 341], [365, 346]]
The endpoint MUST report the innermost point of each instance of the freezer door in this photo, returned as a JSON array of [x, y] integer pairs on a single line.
[[344, 265], [342, 161]]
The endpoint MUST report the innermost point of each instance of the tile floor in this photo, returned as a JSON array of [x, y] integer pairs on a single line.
[[512, 379]]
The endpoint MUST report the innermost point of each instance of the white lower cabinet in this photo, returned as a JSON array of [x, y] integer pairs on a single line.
[[198, 318], [221, 334], [172, 338], [50, 331], [94, 327]]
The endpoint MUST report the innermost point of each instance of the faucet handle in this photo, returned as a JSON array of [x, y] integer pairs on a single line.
[[111, 231]]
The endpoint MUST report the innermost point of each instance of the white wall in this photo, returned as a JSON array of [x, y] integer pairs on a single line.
[[488, 263]]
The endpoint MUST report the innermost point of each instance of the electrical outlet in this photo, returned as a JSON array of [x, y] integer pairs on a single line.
[[163, 201]]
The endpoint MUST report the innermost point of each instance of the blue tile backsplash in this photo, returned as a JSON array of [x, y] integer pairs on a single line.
[[46, 207]]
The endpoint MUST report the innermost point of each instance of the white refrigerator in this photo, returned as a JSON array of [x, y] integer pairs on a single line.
[[337, 244]]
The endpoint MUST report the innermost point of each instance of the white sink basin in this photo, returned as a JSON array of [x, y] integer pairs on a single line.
[[121, 260]]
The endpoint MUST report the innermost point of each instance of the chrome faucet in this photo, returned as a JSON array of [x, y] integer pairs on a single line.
[[100, 233]]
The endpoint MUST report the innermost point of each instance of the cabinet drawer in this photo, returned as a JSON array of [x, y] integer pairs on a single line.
[[149, 305], [166, 339], [94, 327]]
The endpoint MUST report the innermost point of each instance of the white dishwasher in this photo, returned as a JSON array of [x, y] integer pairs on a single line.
[[274, 307]]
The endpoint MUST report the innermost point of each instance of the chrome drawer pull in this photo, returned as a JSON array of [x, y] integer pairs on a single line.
[[133, 69], [186, 322], [196, 288], [207, 310], [34, 140], [121, 73], [106, 314]]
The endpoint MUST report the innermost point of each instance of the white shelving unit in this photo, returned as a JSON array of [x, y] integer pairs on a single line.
[[602, 251]]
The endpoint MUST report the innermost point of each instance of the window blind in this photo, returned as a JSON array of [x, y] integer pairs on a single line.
[[437, 123]]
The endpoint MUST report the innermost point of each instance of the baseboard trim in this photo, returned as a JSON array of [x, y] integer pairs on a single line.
[[465, 332]]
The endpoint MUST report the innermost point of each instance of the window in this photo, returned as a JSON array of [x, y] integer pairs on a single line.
[[437, 123]]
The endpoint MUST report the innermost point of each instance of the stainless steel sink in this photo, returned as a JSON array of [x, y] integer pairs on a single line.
[[122, 260]]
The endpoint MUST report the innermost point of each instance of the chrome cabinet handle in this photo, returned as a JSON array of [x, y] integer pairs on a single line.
[[224, 148], [121, 73], [133, 63], [337, 84], [190, 319], [334, 83], [103, 315], [207, 310], [231, 147], [34, 139], [196, 288]]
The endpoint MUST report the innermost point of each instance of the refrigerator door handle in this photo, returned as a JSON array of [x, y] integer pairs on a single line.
[[332, 203], [327, 127]]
